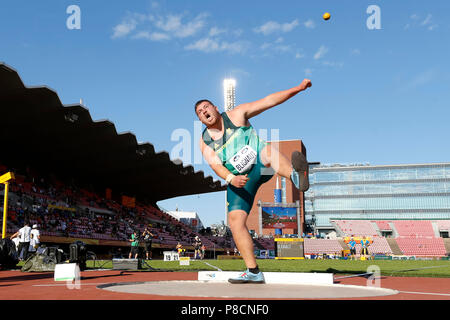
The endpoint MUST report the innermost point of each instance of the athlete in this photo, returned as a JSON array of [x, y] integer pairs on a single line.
[[234, 151]]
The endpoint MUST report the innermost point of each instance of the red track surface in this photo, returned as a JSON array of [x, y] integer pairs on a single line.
[[16, 285]]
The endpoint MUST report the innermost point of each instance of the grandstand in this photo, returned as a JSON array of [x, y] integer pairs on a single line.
[[65, 213], [65, 163]]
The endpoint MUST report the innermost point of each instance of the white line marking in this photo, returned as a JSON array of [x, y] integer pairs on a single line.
[[65, 284], [429, 293], [217, 268]]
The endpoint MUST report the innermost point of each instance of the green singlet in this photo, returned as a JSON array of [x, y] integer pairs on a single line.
[[239, 149]]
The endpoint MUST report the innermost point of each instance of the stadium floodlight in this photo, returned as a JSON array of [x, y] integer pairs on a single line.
[[229, 91], [5, 179]]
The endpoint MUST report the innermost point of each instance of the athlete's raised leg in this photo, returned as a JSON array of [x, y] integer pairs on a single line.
[[296, 169]]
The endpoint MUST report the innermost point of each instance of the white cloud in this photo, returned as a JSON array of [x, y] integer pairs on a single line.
[[154, 36], [124, 28], [273, 26], [128, 24], [427, 20], [216, 31], [213, 45], [299, 55], [169, 26], [276, 46], [309, 24], [321, 52], [234, 47], [308, 72], [173, 24], [416, 21], [205, 45]]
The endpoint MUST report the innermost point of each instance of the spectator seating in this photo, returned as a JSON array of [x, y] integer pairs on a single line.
[[378, 246], [320, 246], [414, 228], [422, 246], [88, 225], [356, 228], [443, 225], [266, 243], [383, 225]]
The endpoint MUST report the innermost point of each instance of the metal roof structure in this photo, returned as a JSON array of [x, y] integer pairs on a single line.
[[36, 129]]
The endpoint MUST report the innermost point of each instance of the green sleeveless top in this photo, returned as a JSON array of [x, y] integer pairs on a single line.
[[238, 148]]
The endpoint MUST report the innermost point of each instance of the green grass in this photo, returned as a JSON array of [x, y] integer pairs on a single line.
[[432, 268]]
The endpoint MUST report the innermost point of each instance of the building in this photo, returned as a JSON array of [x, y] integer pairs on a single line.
[[191, 219], [289, 194], [381, 192]]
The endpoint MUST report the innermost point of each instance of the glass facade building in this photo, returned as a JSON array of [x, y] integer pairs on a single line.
[[419, 191]]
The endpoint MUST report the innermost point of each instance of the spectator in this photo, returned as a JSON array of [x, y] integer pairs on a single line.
[[134, 245], [24, 240], [197, 246], [365, 243], [35, 238], [179, 249], [148, 238], [352, 245], [203, 248]]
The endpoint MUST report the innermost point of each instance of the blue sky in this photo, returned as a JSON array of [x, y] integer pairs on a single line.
[[378, 96]]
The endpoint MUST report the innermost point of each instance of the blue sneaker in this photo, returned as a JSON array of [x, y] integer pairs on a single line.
[[248, 277]]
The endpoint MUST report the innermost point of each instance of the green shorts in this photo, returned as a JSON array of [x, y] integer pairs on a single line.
[[242, 198]]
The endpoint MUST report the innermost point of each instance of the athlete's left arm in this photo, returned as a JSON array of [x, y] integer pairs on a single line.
[[251, 109]]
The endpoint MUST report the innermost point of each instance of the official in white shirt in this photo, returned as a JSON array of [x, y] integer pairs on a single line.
[[24, 240], [35, 238]]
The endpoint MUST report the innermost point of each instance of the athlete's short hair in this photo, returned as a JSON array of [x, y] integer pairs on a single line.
[[200, 101]]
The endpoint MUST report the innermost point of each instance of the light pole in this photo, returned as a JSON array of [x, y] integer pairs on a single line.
[[5, 180]]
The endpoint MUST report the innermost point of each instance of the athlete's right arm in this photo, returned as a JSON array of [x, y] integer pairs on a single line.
[[246, 111], [217, 166]]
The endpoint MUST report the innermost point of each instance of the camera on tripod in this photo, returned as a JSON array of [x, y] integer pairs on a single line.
[[78, 254]]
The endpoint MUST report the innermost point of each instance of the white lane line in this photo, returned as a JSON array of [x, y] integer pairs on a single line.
[[65, 284], [427, 293]]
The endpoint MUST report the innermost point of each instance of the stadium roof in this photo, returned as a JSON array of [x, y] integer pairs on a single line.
[[36, 129]]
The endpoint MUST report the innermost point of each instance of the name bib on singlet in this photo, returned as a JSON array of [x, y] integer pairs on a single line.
[[243, 159]]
